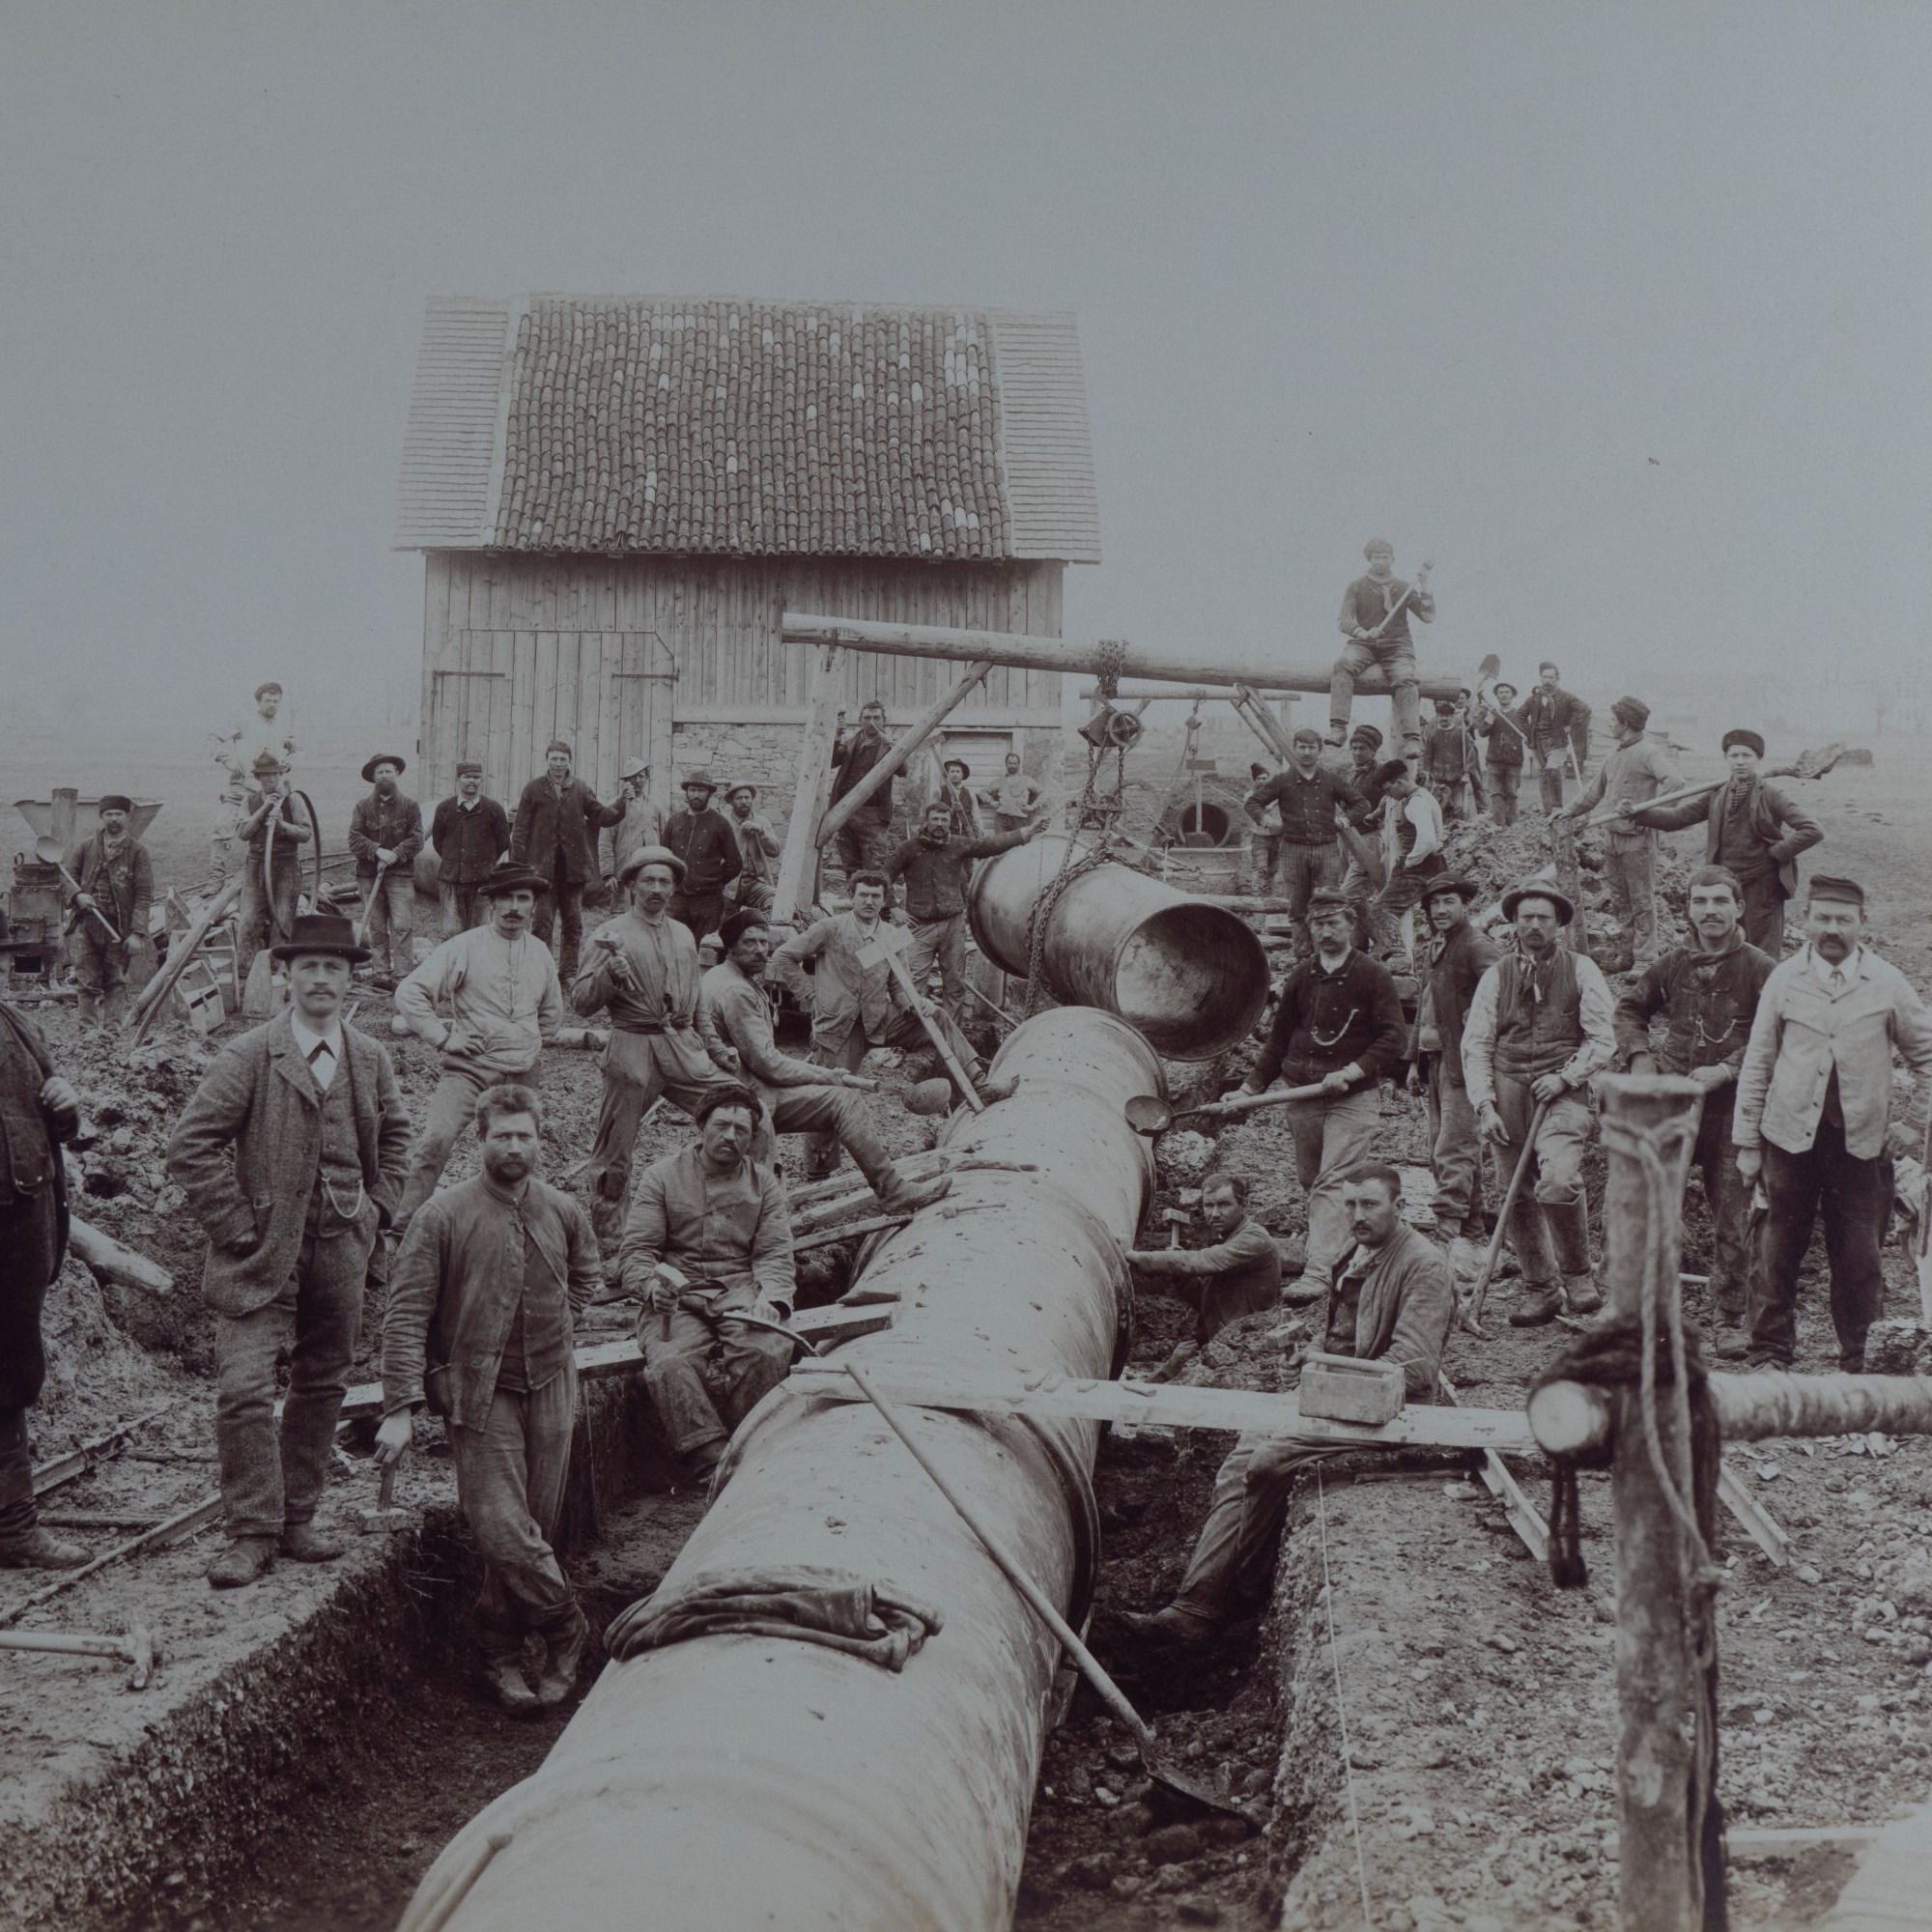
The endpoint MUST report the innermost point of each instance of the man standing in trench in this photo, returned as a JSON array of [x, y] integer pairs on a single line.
[[1237, 1273], [1307, 794]]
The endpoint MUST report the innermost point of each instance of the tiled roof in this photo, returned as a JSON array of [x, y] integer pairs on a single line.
[[642, 425]]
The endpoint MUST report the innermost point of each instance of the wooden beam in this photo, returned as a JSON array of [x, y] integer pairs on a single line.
[[1525, 1518], [813, 785], [903, 747], [114, 1261]]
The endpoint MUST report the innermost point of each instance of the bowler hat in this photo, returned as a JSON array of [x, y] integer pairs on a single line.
[[1463, 888], [511, 879], [700, 777], [736, 924], [115, 801], [320, 932], [1538, 889], [1751, 742], [383, 759], [648, 855]]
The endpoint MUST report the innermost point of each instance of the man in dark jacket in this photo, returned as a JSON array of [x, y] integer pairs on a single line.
[[1706, 994], [1237, 1273], [1504, 744], [260, 919], [1555, 726], [113, 881], [489, 1284], [386, 833], [706, 841], [39, 1110], [1307, 794], [1754, 830], [559, 818], [1451, 766], [864, 839], [470, 833], [1393, 1301], [937, 866], [1376, 611], [1339, 1025]]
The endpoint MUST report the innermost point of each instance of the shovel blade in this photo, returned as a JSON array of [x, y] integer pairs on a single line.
[[1150, 1114]]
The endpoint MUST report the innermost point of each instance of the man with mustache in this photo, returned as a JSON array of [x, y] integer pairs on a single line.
[[1555, 726], [864, 839], [113, 877], [1307, 796], [1815, 1120], [386, 833], [1706, 993], [1504, 744], [480, 1327], [500, 983], [1632, 774], [758, 846], [559, 818], [937, 866]]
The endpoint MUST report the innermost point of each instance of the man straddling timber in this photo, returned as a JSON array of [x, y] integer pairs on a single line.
[[386, 833], [642, 822], [291, 1152], [643, 971], [1237, 1273], [1393, 1301], [1412, 861], [39, 1110], [559, 818], [1753, 829], [864, 840], [1307, 794], [504, 999], [1458, 956], [1814, 1123], [265, 729], [1012, 798], [1632, 774], [1540, 1025], [481, 1326], [1376, 611], [1449, 762], [259, 921], [113, 877], [1339, 1025], [1555, 726], [1504, 744], [1706, 993], [758, 848], [956, 789], [734, 1016], [708, 1233], [707, 843], [470, 833], [937, 867]]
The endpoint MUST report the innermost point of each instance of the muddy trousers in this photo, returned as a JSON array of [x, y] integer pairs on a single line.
[[99, 970], [941, 943], [258, 922], [704, 1382], [561, 904], [1454, 1157], [833, 1116], [1764, 913], [1728, 1199], [1331, 1135], [1551, 1210], [462, 905], [1629, 865], [1231, 1570], [846, 1043], [389, 908], [1504, 782], [510, 1472], [28, 1240], [1550, 782], [1395, 659]]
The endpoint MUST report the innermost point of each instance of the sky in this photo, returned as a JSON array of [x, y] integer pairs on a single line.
[[1617, 314]]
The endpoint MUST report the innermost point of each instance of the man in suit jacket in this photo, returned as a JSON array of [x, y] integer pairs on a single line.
[[559, 818], [470, 833], [292, 1154]]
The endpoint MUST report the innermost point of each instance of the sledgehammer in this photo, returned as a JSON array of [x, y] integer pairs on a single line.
[[136, 1648]]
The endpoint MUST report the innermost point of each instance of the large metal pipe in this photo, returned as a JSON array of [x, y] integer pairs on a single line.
[[756, 1781], [1186, 973]]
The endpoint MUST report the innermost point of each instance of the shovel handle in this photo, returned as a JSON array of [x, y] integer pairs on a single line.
[[1472, 1309], [92, 913]]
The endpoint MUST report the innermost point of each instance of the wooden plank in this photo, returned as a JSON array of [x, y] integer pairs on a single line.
[[810, 789], [1759, 1525], [437, 573], [1525, 1518], [912, 739], [525, 756], [496, 757], [1888, 1890], [543, 715]]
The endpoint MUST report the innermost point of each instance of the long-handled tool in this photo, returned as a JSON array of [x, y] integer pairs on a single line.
[[888, 944], [1471, 1315], [388, 1514], [149, 1001], [1401, 603], [49, 852], [1809, 764], [136, 1649], [1150, 1114]]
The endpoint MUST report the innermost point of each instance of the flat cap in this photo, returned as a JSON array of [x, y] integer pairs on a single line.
[[1631, 711], [1829, 886]]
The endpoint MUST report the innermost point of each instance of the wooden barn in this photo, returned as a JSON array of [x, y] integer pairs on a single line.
[[618, 497]]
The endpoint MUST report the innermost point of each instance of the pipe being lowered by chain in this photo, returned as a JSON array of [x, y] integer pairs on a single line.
[[736, 1781], [1187, 974]]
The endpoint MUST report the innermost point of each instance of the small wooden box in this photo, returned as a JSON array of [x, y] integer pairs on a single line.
[[1340, 1388]]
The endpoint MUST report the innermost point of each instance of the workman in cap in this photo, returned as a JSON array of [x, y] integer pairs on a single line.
[[559, 818], [863, 840], [641, 970], [39, 1110], [1376, 611], [707, 1236], [110, 882], [707, 842], [1503, 747], [735, 1017], [758, 847], [241, 753], [1308, 795], [480, 1325], [291, 1152], [956, 789], [1456, 956], [1555, 726], [642, 822], [471, 834], [498, 983], [1815, 1124], [1237, 1273], [1632, 774], [261, 918], [1540, 1023], [386, 833], [1412, 836], [1752, 828], [1365, 762], [1707, 994]]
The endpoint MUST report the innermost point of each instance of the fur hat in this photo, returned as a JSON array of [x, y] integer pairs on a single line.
[[736, 924], [1751, 742], [115, 801], [1379, 544]]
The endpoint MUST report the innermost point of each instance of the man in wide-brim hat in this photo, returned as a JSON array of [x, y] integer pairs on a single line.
[[262, 919], [499, 983], [707, 843], [386, 833], [291, 1153], [1504, 744]]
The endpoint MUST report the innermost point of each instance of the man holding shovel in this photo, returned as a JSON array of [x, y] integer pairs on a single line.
[[1376, 611], [386, 833], [1539, 1026], [259, 921], [1632, 774], [1503, 744], [109, 882], [1557, 730]]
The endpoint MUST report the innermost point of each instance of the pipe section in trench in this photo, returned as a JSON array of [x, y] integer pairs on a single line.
[[737, 1781], [1188, 975]]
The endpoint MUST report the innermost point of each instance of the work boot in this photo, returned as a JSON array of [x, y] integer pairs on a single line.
[[1580, 1295], [243, 1560], [1338, 736], [1465, 1259], [1309, 1286], [1742, 1348], [38, 1548], [1540, 1306], [703, 1461], [558, 1683], [304, 1543], [1852, 1361], [1168, 1627], [504, 1678]]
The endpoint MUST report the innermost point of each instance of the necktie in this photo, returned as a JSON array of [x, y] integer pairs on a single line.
[[316, 1052], [1837, 980]]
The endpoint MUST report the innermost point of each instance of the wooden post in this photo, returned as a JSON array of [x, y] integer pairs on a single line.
[[1570, 880], [1659, 1885], [815, 783], [915, 735]]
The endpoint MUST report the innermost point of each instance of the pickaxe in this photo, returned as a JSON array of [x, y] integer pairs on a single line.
[[136, 1648], [887, 945]]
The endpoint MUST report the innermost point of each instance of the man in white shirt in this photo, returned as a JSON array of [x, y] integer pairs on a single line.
[[1412, 834]]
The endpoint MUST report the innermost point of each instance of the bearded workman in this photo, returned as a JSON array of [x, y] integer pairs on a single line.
[[113, 885], [937, 867]]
